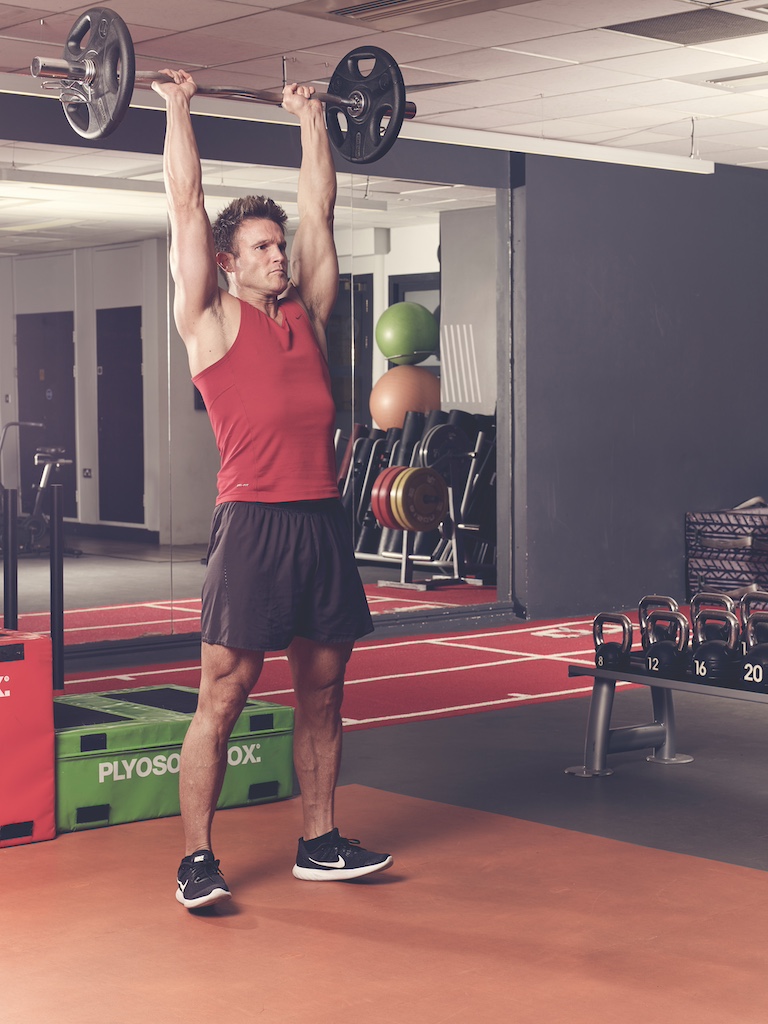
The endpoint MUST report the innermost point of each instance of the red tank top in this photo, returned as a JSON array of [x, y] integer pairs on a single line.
[[270, 405]]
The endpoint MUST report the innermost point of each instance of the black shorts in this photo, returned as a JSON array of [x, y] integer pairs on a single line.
[[278, 571]]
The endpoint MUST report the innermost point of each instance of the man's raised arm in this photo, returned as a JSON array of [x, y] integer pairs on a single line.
[[192, 256], [314, 266]]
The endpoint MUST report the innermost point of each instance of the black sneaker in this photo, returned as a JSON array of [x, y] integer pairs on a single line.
[[200, 882], [336, 859]]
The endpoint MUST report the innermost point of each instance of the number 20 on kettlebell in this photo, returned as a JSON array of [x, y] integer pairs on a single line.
[[754, 667]]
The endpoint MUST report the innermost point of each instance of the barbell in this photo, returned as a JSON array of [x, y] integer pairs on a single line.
[[364, 110]]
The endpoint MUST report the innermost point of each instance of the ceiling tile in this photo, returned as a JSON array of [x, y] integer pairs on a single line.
[[16, 55], [31, 8], [706, 127], [672, 63], [572, 105], [403, 46], [596, 13], [184, 49], [484, 64], [494, 28], [719, 105], [488, 118], [10, 16], [755, 48], [180, 15], [592, 45], [650, 92], [573, 78], [658, 118], [708, 150], [751, 137], [757, 117]]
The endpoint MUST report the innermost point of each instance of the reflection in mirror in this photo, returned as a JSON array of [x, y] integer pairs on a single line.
[[418, 260], [87, 324], [82, 272]]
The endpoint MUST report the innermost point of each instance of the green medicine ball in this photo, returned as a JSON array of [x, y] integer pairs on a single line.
[[407, 333]]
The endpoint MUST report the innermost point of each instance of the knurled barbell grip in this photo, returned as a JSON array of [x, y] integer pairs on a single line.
[[84, 71]]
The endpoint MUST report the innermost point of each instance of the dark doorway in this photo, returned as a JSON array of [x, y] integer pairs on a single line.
[[350, 353], [45, 359], [120, 394]]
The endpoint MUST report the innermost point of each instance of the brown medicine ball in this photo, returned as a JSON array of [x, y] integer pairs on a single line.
[[403, 389]]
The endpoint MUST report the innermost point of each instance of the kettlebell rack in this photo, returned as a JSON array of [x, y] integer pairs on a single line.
[[660, 734], [728, 657]]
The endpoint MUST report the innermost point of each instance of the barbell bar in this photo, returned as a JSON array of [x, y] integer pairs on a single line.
[[85, 72], [364, 110]]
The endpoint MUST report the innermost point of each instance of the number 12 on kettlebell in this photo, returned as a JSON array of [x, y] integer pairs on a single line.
[[666, 658]]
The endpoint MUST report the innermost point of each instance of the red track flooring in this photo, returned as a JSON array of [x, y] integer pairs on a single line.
[[414, 679]]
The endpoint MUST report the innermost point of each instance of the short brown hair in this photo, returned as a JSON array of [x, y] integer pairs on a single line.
[[232, 216]]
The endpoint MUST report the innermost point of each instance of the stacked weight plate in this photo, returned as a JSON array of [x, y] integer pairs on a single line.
[[727, 550], [414, 499]]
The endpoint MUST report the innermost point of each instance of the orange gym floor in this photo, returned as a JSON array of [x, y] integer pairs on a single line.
[[518, 894], [482, 917]]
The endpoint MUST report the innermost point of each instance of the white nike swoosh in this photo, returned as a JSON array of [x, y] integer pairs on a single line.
[[340, 863], [183, 887]]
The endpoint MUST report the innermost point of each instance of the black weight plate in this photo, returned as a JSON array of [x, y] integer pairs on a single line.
[[359, 132], [94, 110], [440, 442]]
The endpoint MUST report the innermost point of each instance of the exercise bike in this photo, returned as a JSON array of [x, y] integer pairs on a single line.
[[32, 529]]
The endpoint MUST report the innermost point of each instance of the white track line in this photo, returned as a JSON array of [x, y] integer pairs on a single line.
[[512, 699]]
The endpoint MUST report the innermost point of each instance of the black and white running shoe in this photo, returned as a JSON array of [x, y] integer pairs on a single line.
[[330, 858], [200, 883]]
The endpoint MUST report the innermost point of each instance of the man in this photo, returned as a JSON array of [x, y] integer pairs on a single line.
[[281, 573]]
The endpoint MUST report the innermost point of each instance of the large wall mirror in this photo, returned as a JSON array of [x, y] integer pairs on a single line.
[[91, 352]]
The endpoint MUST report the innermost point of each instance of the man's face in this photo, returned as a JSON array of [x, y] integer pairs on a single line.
[[259, 262]]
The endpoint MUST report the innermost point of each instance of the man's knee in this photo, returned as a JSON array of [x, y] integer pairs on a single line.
[[228, 676]]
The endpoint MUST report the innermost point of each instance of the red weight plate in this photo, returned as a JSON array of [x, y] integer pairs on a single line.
[[380, 496], [376, 490]]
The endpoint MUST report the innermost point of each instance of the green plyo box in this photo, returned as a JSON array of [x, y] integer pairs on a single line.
[[117, 755]]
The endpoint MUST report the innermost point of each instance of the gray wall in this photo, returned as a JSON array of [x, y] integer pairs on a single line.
[[468, 338], [641, 372]]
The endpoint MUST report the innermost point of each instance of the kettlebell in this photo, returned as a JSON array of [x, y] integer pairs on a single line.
[[754, 666], [714, 662], [715, 628], [666, 652], [612, 655], [644, 608], [748, 604]]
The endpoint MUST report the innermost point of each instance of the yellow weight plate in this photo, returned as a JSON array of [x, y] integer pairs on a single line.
[[395, 497], [420, 500]]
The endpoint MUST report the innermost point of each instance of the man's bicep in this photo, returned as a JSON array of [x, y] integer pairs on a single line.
[[193, 263], [315, 268]]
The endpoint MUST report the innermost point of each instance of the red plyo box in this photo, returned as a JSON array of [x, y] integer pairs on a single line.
[[27, 759]]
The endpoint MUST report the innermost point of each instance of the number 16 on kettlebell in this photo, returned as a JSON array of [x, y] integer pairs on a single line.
[[715, 661]]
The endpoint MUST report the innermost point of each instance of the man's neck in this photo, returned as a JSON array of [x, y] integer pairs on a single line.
[[269, 304]]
